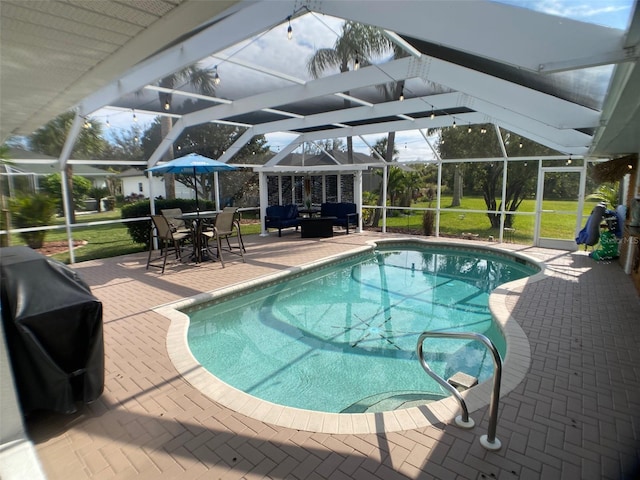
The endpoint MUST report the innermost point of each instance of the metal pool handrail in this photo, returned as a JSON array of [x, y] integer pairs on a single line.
[[488, 441]]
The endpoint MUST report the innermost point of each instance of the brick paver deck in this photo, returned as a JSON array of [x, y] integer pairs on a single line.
[[575, 415]]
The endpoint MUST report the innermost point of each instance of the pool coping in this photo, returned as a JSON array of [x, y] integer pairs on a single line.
[[515, 365]]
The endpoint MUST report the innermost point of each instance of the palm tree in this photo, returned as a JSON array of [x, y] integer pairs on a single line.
[[50, 140], [203, 80], [357, 43]]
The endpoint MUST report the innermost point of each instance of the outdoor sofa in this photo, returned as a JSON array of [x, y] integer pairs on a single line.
[[282, 216], [343, 213]]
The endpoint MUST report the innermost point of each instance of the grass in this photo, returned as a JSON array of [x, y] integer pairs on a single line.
[[104, 241], [455, 222]]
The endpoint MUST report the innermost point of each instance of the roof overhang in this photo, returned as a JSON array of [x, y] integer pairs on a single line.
[[492, 73]]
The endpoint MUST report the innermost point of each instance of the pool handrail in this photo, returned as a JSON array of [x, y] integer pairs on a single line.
[[488, 441]]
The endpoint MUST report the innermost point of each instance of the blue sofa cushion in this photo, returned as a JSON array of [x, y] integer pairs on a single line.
[[282, 216], [345, 213], [329, 210]]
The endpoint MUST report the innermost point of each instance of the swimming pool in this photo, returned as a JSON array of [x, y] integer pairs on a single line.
[[342, 338]]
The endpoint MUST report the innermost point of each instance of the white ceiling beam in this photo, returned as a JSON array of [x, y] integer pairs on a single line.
[[570, 145], [295, 143], [482, 28], [544, 108], [567, 137], [412, 105], [237, 145], [166, 143], [560, 139], [252, 19], [575, 149], [541, 107]]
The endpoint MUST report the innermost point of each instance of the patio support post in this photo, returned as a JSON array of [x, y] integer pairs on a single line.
[[438, 198], [216, 190], [503, 215], [264, 199], [581, 194], [357, 187], [503, 149], [385, 171], [152, 205], [62, 163]]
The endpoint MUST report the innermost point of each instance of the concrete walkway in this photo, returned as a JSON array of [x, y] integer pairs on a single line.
[[575, 415]]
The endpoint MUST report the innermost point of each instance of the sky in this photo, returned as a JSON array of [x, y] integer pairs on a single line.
[[313, 31]]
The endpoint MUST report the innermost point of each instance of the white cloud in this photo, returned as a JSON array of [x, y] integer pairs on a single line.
[[610, 13]]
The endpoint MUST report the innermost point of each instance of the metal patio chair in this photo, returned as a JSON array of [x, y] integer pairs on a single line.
[[172, 215], [168, 240], [223, 228]]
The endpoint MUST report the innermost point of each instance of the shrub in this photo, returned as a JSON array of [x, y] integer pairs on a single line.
[[428, 222], [139, 231], [52, 184], [33, 211]]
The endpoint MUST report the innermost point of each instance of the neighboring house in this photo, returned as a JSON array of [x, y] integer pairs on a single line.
[[135, 183], [35, 166]]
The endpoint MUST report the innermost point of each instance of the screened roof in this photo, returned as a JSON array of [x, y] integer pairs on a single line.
[[571, 86]]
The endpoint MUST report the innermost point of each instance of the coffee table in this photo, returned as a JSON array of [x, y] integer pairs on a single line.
[[317, 227]]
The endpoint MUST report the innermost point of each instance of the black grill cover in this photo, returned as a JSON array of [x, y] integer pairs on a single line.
[[53, 327]]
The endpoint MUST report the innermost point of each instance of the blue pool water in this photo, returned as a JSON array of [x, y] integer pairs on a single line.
[[342, 338]]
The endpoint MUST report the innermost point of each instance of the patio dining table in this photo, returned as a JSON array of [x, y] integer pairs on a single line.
[[196, 221]]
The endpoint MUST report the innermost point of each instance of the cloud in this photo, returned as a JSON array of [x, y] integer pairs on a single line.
[[610, 13]]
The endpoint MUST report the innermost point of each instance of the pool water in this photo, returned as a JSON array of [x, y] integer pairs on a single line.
[[342, 338]]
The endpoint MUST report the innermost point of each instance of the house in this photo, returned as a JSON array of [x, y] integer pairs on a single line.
[[32, 167], [135, 182]]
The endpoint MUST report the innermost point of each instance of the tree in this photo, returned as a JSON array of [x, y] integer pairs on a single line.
[[125, 145], [204, 81], [357, 43], [212, 140], [328, 145], [50, 140], [360, 42], [52, 185], [485, 178], [608, 193]]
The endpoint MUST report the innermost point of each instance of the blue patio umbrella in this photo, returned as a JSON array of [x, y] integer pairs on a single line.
[[192, 163]]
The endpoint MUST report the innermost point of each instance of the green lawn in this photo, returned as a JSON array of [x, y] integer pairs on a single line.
[[454, 222], [105, 241]]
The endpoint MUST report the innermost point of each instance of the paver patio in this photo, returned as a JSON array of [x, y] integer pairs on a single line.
[[576, 414]]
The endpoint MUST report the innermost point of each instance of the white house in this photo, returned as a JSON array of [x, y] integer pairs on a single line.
[[35, 166], [135, 182]]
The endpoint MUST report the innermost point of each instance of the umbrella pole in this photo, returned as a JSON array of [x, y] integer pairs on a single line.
[[195, 185]]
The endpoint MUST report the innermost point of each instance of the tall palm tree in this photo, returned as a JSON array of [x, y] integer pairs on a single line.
[[50, 138], [203, 80], [360, 42], [357, 42]]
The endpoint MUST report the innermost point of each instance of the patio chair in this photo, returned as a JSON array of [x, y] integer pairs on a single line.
[[223, 229], [168, 240], [178, 225], [236, 221]]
